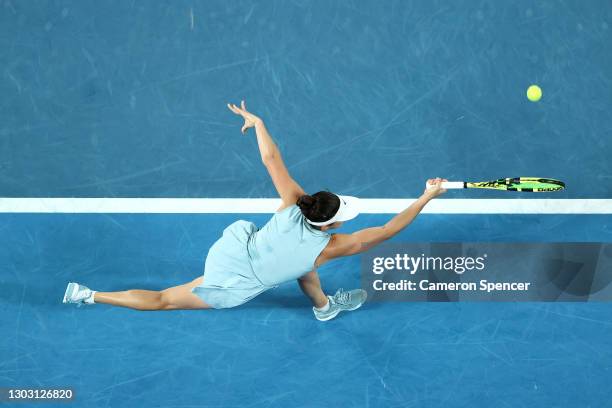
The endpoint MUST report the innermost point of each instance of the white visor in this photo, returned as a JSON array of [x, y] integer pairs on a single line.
[[349, 209]]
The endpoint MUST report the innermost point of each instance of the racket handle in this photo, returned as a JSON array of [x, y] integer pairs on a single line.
[[449, 185]]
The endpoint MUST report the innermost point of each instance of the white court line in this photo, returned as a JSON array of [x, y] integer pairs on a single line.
[[269, 205]]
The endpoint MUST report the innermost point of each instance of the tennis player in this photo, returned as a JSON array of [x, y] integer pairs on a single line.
[[247, 261]]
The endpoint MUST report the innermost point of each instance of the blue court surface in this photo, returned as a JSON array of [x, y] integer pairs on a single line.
[[126, 99]]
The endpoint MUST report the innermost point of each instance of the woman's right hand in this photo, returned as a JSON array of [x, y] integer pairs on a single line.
[[435, 188], [250, 120]]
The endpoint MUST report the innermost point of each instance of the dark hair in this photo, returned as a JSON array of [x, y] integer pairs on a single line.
[[319, 207]]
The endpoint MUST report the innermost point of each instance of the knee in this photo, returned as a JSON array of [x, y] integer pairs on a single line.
[[155, 300], [166, 301]]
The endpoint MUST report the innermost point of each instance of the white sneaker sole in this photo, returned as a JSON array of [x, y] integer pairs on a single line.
[[68, 292], [338, 312]]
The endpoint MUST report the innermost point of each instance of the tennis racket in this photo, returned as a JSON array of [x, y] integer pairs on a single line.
[[524, 184]]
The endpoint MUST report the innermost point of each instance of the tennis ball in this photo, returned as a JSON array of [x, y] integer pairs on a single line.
[[534, 93]]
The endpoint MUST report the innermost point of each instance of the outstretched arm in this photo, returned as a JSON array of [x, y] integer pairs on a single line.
[[288, 189], [361, 241]]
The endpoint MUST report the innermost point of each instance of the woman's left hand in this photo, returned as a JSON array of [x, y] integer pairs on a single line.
[[250, 120]]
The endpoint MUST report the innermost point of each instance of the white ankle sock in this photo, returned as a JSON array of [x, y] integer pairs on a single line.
[[90, 299], [324, 308]]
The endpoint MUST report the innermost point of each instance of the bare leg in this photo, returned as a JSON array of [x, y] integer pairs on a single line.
[[177, 297], [311, 286]]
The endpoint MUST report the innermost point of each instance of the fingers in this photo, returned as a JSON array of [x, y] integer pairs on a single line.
[[235, 109]]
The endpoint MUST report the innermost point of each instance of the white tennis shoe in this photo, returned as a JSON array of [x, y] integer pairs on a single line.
[[78, 294], [342, 301]]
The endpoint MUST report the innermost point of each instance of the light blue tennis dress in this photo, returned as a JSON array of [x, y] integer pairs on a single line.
[[245, 261]]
